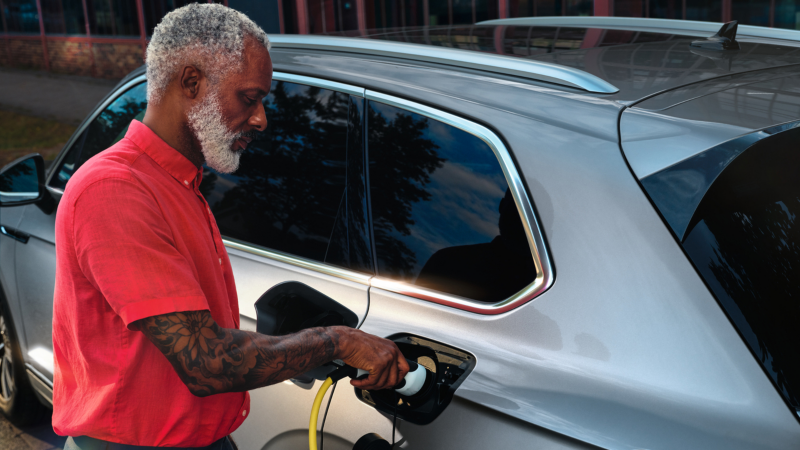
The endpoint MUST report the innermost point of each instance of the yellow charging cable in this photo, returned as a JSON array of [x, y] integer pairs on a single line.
[[312, 424]]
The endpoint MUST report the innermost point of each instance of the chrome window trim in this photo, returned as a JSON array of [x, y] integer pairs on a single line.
[[668, 26], [541, 258], [531, 69], [317, 82], [298, 261], [121, 90]]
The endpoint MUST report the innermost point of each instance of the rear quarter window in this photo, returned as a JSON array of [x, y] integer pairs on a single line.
[[443, 216], [744, 240]]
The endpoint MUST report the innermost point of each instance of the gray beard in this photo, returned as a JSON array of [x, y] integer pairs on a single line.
[[216, 140]]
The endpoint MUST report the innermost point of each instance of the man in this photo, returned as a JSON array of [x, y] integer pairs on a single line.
[[145, 331]]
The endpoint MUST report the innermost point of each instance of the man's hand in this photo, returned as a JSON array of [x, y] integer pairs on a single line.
[[381, 357], [210, 359]]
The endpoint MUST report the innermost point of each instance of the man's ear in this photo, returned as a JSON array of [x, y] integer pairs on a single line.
[[190, 79]]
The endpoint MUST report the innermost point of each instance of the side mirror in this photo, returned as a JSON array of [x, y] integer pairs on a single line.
[[293, 306], [22, 181]]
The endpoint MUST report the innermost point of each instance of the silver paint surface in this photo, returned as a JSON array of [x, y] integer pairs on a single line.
[[667, 26], [673, 126], [36, 279], [627, 349], [536, 70]]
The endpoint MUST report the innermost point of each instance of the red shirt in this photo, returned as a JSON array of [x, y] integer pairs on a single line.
[[134, 239]]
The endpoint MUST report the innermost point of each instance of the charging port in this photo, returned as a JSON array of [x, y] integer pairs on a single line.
[[449, 367]]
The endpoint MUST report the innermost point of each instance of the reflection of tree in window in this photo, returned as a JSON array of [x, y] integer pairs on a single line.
[[105, 130], [401, 160], [442, 213], [291, 180], [745, 241], [18, 178], [491, 271]]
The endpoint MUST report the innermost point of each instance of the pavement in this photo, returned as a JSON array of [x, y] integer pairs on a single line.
[[38, 437], [65, 98]]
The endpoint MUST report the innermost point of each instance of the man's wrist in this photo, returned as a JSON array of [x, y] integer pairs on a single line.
[[340, 337]]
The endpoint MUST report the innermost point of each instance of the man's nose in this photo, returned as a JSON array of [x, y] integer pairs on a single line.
[[259, 119]]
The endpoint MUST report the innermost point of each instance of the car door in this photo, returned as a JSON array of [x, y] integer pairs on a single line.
[[35, 259], [295, 210], [456, 244]]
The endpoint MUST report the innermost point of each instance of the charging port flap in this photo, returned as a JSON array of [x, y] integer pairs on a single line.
[[293, 306], [449, 367]]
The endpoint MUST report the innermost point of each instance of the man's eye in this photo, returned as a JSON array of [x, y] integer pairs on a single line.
[[250, 101]]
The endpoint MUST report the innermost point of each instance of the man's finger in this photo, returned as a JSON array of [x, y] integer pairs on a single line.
[[402, 364], [383, 381], [392, 379], [366, 383]]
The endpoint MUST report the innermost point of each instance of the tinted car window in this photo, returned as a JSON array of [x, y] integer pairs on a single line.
[[443, 216], [290, 192], [744, 239], [104, 131]]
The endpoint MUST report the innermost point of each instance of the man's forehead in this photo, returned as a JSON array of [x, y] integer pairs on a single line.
[[256, 73]]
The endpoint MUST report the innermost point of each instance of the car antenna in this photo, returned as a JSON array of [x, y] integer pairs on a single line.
[[725, 39]]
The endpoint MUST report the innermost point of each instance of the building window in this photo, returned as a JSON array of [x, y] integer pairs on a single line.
[[113, 17], [63, 17], [766, 13], [21, 16], [332, 16], [155, 10]]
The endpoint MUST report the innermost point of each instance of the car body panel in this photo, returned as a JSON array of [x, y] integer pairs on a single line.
[[9, 217], [254, 275], [671, 127], [628, 348], [36, 275]]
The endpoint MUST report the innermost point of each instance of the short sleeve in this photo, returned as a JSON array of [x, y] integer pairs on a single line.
[[126, 249]]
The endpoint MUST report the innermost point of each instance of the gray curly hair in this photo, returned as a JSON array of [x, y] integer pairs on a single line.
[[209, 36]]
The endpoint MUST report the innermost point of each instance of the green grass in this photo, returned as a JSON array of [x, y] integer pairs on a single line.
[[21, 134]]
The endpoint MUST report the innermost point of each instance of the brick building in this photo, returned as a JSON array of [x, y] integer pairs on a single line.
[[107, 38]]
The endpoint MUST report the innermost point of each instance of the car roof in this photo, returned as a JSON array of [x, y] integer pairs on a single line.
[[623, 59]]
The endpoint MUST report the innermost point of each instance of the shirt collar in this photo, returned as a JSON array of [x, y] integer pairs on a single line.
[[165, 156]]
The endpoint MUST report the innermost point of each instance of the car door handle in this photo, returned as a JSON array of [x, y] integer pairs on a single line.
[[14, 234]]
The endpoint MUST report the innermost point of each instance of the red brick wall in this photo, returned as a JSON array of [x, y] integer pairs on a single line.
[[74, 58], [114, 61], [20, 53]]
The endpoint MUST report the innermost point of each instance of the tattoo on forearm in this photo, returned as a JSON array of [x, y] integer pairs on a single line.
[[211, 359]]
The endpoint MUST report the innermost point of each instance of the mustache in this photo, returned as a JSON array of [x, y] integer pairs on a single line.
[[248, 134]]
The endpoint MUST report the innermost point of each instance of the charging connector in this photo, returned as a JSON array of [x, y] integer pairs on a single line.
[[415, 380], [412, 383]]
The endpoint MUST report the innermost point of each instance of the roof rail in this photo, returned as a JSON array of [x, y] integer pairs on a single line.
[[669, 26], [535, 70]]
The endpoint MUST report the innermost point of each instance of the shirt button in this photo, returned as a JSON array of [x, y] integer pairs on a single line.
[[186, 182], [220, 261], [244, 412]]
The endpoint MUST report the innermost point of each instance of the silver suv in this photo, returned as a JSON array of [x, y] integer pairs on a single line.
[[590, 222]]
